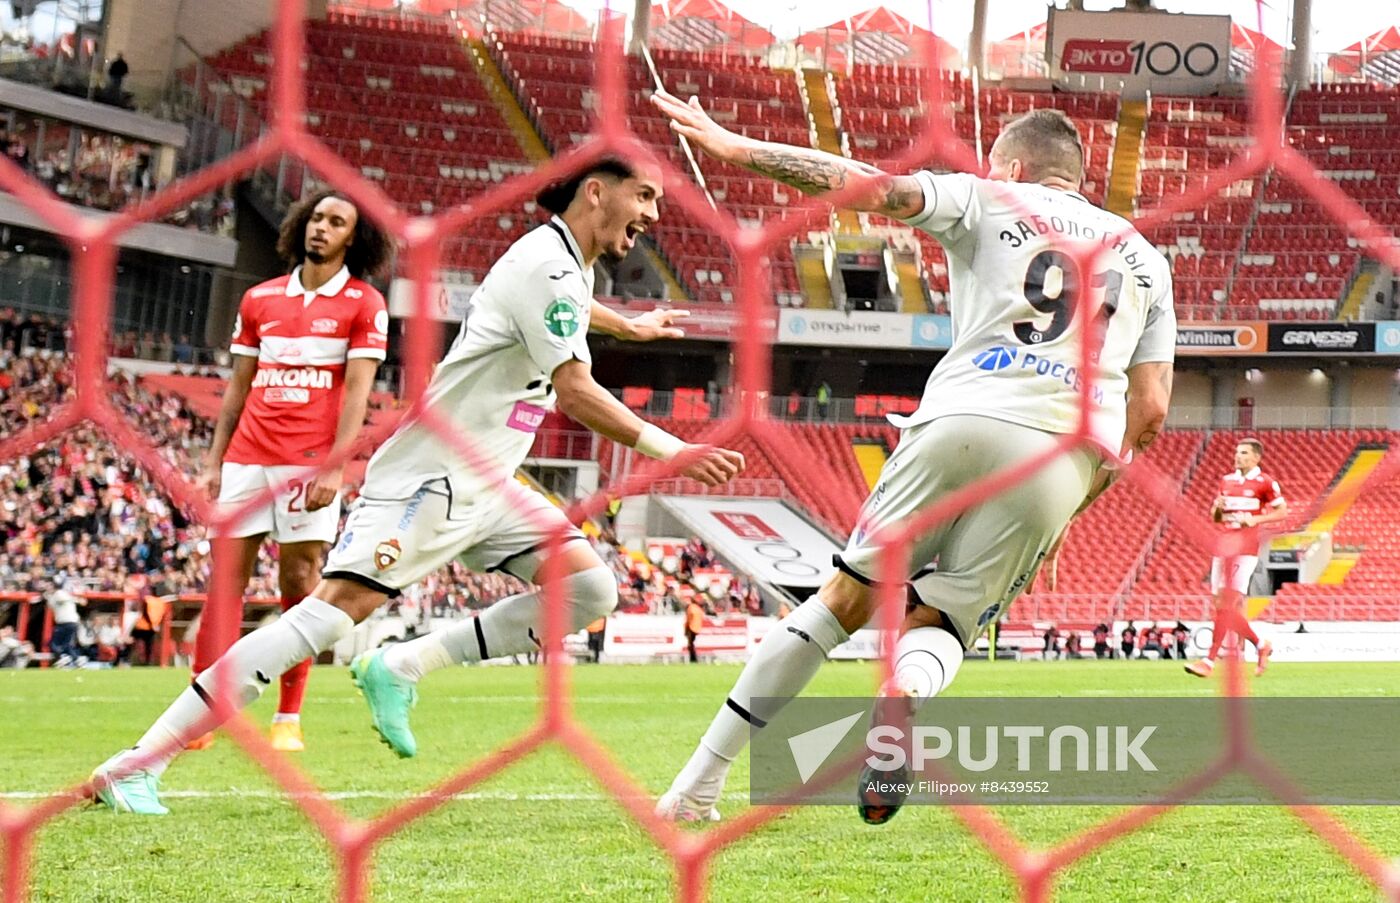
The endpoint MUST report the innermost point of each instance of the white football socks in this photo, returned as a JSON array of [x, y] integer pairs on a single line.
[[511, 626], [926, 659], [242, 673], [785, 662]]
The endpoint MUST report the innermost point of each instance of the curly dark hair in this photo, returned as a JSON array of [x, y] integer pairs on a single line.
[[369, 253]]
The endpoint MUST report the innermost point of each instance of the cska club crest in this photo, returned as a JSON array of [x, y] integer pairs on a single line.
[[386, 554]]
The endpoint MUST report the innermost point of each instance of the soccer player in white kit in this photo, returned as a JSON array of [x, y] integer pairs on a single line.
[[521, 350], [1007, 391]]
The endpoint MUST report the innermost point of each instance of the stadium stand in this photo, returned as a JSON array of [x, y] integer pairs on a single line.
[[1258, 250], [101, 171], [1349, 138], [1186, 141], [405, 107], [553, 76], [1262, 249]]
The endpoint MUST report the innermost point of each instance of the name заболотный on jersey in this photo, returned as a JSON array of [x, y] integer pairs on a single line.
[[1032, 226]]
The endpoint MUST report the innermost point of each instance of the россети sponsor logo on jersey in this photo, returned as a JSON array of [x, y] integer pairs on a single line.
[[1001, 357]]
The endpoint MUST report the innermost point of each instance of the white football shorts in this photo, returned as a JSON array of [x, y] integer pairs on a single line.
[[389, 544], [985, 554], [285, 518], [1232, 573]]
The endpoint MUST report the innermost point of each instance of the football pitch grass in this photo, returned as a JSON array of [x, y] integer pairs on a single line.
[[544, 830]]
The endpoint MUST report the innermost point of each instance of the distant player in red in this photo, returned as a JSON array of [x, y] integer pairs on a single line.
[[1248, 499], [306, 347]]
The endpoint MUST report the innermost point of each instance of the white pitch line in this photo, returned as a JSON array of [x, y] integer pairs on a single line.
[[396, 795], [576, 699], [732, 796]]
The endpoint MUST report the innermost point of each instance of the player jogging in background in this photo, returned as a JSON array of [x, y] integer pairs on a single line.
[[1006, 392], [305, 350], [1248, 499], [522, 348]]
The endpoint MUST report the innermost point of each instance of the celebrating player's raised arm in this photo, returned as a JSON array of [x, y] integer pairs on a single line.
[[808, 170]]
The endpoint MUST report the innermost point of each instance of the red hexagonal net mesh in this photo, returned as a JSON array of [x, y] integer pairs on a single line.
[[93, 245]]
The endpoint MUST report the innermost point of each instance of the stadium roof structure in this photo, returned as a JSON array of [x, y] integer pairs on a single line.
[[528, 16], [704, 25], [878, 35], [1245, 44], [1018, 52], [1375, 57]]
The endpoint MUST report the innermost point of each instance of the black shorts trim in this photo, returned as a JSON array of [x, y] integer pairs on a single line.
[[480, 638], [504, 563], [363, 581], [201, 693], [948, 626], [849, 571]]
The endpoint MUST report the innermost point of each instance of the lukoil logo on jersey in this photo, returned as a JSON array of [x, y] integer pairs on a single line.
[[1001, 357], [293, 377]]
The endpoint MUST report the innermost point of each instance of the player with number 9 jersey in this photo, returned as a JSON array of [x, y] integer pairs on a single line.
[[1037, 272]]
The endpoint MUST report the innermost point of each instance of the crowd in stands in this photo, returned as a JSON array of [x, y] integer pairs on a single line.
[[108, 173], [32, 332], [29, 332], [77, 516], [654, 585], [147, 347]]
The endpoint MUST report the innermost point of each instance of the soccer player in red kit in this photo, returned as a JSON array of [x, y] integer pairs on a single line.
[[1248, 499], [305, 348]]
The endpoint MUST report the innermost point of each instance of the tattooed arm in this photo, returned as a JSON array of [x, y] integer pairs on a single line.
[[813, 171], [808, 170]]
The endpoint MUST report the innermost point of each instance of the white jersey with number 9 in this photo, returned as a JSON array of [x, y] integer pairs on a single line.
[[1016, 340]]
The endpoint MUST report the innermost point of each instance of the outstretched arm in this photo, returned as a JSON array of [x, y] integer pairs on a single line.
[[581, 398], [808, 170], [647, 327]]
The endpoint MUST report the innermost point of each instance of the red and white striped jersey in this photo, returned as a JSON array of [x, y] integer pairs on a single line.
[[1249, 493], [302, 340]]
